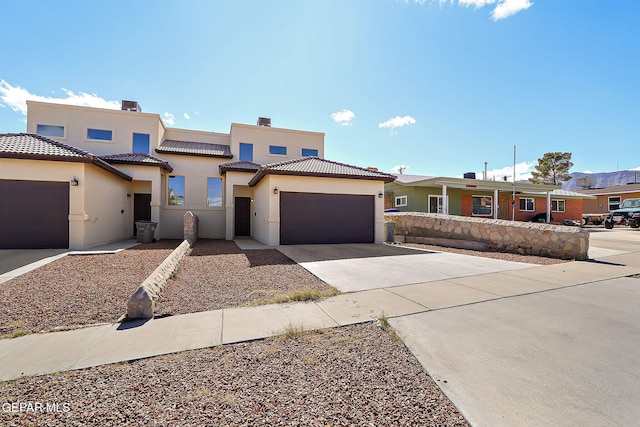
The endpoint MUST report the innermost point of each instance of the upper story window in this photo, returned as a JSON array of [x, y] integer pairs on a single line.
[[141, 143], [278, 150], [100, 134], [48, 130], [482, 205], [401, 201], [176, 191], [246, 152], [214, 192], [527, 204], [309, 152], [614, 203], [557, 206]]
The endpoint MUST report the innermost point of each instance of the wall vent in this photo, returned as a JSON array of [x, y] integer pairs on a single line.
[[131, 106], [264, 121]]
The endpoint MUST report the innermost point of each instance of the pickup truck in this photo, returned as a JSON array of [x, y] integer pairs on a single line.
[[627, 214]]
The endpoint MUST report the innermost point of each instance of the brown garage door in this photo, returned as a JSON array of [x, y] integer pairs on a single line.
[[326, 218], [34, 214]]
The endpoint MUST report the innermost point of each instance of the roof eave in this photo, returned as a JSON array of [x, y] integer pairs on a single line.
[[219, 156], [262, 172]]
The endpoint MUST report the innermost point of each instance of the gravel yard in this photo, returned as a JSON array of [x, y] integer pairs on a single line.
[[77, 290], [355, 375], [531, 259], [217, 274]]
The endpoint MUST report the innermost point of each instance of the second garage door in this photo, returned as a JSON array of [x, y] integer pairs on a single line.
[[326, 218], [34, 214]]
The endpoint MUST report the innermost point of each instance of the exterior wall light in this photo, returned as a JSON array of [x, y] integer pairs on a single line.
[[74, 182], [275, 190], [380, 195]]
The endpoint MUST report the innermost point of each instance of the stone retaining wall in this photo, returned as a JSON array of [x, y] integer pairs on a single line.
[[143, 302], [527, 238]]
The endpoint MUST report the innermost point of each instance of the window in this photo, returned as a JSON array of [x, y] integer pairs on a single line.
[[55, 131], [526, 204], [214, 192], [278, 150], [141, 143], [435, 204], [100, 134], [401, 201], [246, 152], [557, 206], [176, 191], [309, 152], [482, 205], [614, 203]]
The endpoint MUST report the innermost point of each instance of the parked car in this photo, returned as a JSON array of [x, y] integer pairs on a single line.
[[627, 214]]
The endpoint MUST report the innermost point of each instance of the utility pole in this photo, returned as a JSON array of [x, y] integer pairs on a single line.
[[513, 204]]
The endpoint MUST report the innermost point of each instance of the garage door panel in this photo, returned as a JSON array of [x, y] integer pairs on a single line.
[[307, 218], [34, 214]]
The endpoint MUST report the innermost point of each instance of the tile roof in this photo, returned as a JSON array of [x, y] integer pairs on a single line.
[[189, 148], [136, 159], [615, 189], [239, 166], [314, 166], [35, 147]]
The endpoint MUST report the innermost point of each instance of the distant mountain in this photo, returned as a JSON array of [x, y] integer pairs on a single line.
[[601, 180]]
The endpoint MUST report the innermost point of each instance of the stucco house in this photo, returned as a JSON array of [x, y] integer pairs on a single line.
[[81, 177], [610, 198], [482, 198]]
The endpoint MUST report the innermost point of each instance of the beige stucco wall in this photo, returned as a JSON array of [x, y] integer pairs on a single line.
[[236, 185], [197, 136], [94, 205], [266, 219], [195, 170], [262, 136], [76, 120], [108, 210]]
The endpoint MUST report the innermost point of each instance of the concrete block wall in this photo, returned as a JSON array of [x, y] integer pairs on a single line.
[[526, 238]]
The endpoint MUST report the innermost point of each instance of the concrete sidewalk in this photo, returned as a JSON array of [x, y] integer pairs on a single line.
[[61, 351]]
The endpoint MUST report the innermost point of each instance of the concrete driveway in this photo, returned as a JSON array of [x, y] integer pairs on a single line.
[[555, 345], [358, 267], [13, 261]]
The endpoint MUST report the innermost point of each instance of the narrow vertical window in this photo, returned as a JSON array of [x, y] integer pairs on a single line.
[[214, 192], [141, 143], [176, 191], [246, 152]]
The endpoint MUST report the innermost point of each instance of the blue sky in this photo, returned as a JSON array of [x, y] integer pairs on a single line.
[[438, 86]]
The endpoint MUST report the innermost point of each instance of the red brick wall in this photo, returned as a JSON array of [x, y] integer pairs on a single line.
[[573, 209]]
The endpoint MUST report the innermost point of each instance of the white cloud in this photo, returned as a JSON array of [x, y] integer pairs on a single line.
[[523, 172], [187, 116], [503, 8], [477, 3], [400, 168], [16, 98], [397, 122], [343, 117], [169, 118], [507, 8]]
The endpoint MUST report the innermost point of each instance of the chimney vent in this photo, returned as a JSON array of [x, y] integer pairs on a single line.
[[131, 106], [264, 121]]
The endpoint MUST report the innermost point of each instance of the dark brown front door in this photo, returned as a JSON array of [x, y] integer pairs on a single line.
[[243, 216], [141, 209], [326, 218], [34, 214]]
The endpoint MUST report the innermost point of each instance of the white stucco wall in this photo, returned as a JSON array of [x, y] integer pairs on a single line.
[[267, 205]]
